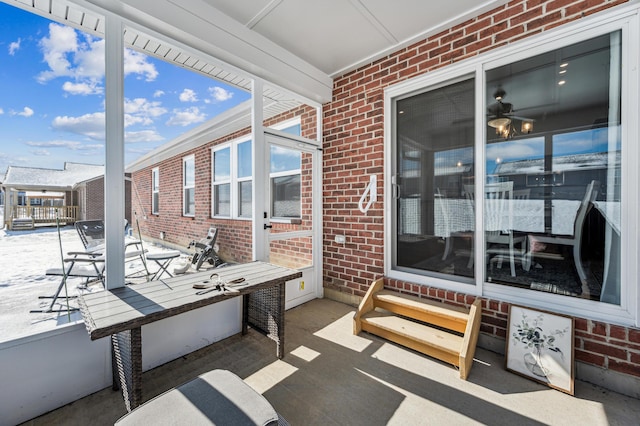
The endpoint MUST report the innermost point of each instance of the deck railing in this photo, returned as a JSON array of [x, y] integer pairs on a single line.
[[67, 214]]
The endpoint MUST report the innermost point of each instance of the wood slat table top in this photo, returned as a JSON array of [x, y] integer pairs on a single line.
[[112, 311]]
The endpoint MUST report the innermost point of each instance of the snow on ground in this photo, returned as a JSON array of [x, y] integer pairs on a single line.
[[24, 258]]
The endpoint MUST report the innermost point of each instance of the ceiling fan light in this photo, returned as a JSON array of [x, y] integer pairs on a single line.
[[500, 122], [527, 127]]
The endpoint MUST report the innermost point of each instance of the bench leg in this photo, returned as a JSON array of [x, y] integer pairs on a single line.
[[127, 362]]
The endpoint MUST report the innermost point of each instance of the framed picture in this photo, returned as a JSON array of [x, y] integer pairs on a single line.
[[540, 347]]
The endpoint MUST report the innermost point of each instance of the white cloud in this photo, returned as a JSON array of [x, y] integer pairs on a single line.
[[89, 59], [158, 93], [510, 151], [1, 111], [61, 42], [220, 94], [143, 106], [26, 112], [70, 53], [188, 95], [139, 150], [141, 111], [90, 125], [87, 88], [55, 144], [142, 136], [40, 152], [14, 46], [64, 144], [137, 63], [186, 117]]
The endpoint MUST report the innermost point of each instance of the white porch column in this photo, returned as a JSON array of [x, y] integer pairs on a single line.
[[114, 152], [259, 192]]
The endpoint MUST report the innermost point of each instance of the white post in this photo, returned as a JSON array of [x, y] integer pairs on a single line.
[[260, 187], [114, 152]]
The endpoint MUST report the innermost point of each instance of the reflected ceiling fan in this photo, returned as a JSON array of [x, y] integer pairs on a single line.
[[502, 115]]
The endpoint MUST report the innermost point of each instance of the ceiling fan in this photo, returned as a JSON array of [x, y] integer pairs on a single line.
[[502, 113]]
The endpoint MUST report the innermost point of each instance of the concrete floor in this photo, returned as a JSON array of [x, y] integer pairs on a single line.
[[329, 376]]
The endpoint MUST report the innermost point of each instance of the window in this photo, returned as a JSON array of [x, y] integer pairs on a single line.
[[245, 185], [539, 161], [189, 183], [222, 182], [434, 163], [559, 156], [285, 182], [231, 180], [155, 190]]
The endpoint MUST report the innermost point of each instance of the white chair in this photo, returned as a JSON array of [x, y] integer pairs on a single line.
[[574, 240], [498, 219]]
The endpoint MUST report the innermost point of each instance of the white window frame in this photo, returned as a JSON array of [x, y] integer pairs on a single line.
[[155, 190], [281, 126], [239, 180], [214, 183], [186, 161], [624, 19], [234, 181]]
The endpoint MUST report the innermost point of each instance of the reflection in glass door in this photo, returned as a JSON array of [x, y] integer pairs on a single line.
[[553, 134], [289, 213]]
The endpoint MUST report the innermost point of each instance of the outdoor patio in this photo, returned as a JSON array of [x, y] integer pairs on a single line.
[[330, 376]]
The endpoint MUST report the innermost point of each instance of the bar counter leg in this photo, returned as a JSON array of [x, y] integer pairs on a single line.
[[127, 360], [280, 320]]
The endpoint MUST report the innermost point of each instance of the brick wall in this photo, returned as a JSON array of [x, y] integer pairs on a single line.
[[95, 199], [353, 150], [234, 236]]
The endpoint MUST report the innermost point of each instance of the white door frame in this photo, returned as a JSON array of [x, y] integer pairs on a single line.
[[263, 236]]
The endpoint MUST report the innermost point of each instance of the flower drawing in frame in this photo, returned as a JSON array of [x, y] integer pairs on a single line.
[[540, 347]]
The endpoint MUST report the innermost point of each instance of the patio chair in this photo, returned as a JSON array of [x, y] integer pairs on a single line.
[[83, 265], [91, 233], [205, 252], [218, 397]]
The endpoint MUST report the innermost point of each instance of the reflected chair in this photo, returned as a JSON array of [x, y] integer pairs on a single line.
[[575, 239], [456, 220], [498, 218]]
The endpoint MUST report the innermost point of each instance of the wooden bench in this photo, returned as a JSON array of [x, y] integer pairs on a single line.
[[446, 332]]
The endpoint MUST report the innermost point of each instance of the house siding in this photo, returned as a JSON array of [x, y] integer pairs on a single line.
[[353, 150], [234, 238]]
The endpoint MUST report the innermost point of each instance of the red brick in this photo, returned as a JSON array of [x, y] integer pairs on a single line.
[[617, 332], [589, 358], [624, 367], [604, 349], [580, 324], [599, 328]]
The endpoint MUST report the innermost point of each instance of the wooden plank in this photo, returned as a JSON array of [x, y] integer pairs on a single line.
[[426, 310], [470, 339], [366, 304], [410, 331]]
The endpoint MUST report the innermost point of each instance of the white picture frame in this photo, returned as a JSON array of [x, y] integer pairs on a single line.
[[540, 346]]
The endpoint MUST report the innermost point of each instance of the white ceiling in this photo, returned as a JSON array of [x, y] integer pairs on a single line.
[[295, 45], [337, 36]]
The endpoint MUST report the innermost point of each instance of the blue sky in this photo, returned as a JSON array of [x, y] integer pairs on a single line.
[[52, 96]]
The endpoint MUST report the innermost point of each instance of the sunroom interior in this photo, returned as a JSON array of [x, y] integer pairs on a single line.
[[448, 141]]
